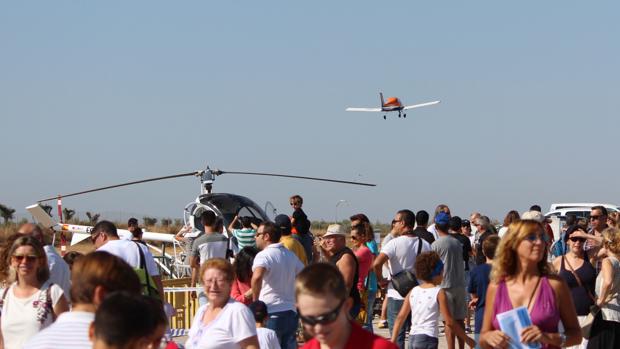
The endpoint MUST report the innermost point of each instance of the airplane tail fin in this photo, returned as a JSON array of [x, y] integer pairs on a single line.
[[381, 96], [41, 216]]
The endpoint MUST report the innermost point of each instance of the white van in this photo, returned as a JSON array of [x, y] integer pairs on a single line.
[[587, 205]]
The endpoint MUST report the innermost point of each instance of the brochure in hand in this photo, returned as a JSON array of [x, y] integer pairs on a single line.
[[512, 323]]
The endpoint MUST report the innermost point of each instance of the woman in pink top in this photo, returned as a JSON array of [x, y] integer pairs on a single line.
[[363, 254], [521, 276], [241, 290]]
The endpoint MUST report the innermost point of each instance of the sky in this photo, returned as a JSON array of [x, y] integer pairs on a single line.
[[94, 94]]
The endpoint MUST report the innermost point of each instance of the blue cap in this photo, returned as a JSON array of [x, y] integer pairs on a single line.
[[442, 218]]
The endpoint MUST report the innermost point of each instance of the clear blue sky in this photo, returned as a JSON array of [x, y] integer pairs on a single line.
[[98, 93]]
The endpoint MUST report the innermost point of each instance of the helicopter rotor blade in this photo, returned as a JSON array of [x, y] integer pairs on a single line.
[[194, 173], [299, 177]]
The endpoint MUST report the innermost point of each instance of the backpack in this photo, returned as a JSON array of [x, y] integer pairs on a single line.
[[148, 285], [559, 247]]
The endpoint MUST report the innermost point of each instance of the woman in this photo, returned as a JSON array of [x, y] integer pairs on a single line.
[[522, 277], [606, 327], [364, 260], [575, 268], [511, 217], [5, 260], [222, 322], [31, 303], [241, 288]]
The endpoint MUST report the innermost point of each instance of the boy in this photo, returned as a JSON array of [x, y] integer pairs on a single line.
[[479, 281]]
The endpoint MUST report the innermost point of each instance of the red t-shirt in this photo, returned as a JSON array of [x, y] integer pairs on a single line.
[[359, 339], [364, 261]]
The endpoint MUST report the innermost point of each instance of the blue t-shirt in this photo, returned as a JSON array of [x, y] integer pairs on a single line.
[[478, 284], [371, 279]]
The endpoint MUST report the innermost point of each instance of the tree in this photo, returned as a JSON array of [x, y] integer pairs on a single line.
[[68, 213], [166, 222], [149, 221], [6, 213], [92, 217], [47, 208]]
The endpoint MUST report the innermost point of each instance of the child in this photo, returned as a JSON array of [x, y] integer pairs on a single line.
[[301, 226], [425, 302], [479, 281], [266, 337]]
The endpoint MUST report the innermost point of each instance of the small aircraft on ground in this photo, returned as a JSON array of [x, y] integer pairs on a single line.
[[392, 104], [225, 206]]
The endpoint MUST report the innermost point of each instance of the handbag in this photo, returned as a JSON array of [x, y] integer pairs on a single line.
[[148, 285], [405, 280]]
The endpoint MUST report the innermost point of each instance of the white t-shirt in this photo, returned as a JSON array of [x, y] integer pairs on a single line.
[[385, 271], [281, 268], [22, 318], [128, 251], [232, 325], [59, 271], [502, 231], [402, 252], [70, 329], [433, 230], [267, 338], [424, 311]]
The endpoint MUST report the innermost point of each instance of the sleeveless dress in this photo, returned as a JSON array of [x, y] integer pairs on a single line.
[[606, 327], [581, 295], [544, 314]]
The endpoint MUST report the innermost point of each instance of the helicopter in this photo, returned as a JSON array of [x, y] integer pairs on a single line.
[[224, 205]]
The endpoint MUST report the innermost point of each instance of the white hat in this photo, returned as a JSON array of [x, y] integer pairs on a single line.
[[533, 215], [334, 229]]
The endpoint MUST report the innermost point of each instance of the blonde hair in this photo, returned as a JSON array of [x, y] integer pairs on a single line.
[[506, 259], [220, 264], [611, 240]]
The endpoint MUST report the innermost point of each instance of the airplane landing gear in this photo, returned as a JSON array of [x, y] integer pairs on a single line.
[[399, 115], [384, 117], [404, 115]]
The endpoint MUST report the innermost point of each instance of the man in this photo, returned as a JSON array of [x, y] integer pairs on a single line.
[[546, 225], [440, 208], [598, 223], [338, 254], [211, 244], [320, 290], [94, 276], [273, 282], [451, 252], [474, 230], [421, 229], [59, 269], [482, 224], [105, 238], [284, 223], [385, 271], [301, 226], [245, 235], [401, 253]]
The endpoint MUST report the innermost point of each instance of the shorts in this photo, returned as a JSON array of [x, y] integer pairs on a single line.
[[457, 302], [422, 341]]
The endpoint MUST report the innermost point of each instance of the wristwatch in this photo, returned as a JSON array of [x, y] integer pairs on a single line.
[[562, 339]]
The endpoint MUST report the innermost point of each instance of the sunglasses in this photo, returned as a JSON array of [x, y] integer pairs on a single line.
[[576, 239], [533, 237], [593, 218], [29, 258], [323, 319]]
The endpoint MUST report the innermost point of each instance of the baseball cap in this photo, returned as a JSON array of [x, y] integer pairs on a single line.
[[534, 216], [334, 229], [442, 218], [283, 222]]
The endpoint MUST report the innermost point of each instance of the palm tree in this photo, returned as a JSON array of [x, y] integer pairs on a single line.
[[6, 213], [68, 213], [92, 217]]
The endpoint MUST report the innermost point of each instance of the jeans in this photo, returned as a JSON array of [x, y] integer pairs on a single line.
[[393, 307], [372, 295], [422, 341], [284, 323]]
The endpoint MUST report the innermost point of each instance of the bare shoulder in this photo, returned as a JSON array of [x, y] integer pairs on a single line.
[[556, 282]]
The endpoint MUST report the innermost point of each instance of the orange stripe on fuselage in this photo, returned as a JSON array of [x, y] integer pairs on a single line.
[[392, 102]]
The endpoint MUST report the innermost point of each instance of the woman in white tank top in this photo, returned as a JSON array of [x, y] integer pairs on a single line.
[[425, 303]]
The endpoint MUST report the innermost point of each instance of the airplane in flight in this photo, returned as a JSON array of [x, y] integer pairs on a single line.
[[392, 104]]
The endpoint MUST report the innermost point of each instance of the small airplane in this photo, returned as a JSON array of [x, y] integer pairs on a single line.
[[393, 104]]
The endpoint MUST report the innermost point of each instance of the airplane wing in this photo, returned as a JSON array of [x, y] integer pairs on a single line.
[[420, 105], [363, 109]]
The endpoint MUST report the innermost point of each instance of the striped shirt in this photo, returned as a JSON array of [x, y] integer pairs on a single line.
[[69, 331], [245, 237]]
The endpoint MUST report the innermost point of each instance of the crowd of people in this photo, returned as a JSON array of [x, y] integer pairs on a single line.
[[282, 285]]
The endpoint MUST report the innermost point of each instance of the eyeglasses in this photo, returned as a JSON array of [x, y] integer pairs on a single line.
[[29, 258], [210, 282], [323, 319], [576, 239], [594, 218]]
